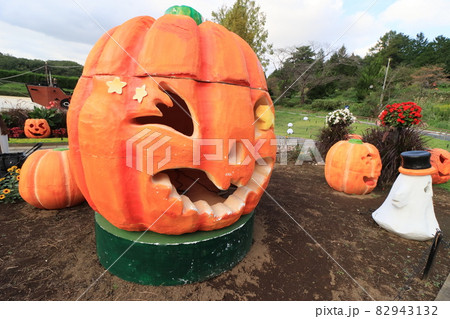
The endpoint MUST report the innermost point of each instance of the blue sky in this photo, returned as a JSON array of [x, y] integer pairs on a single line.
[[57, 29]]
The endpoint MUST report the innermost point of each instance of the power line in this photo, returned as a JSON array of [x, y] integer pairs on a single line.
[[17, 75]]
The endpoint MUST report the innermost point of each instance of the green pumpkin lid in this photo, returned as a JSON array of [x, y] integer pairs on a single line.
[[187, 11], [355, 141]]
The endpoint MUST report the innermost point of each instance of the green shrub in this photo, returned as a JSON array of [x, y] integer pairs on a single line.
[[56, 118], [327, 105]]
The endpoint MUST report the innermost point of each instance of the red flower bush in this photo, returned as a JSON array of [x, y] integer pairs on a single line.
[[15, 132], [401, 114], [60, 132]]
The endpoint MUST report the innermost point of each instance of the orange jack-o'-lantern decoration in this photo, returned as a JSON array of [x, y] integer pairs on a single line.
[[192, 121], [46, 180], [440, 159], [353, 167], [37, 128]]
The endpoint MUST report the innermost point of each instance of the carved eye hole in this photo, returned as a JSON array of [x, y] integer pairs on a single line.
[[41, 125], [31, 125], [177, 116]]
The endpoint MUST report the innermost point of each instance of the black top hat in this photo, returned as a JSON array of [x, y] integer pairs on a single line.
[[416, 159]]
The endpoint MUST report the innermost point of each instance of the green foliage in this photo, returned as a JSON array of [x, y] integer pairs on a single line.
[[9, 186], [438, 116], [58, 68], [308, 74], [246, 20], [56, 118], [37, 78], [391, 142], [327, 105]]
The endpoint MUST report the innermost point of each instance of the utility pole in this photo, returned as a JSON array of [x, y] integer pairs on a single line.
[[384, 84]]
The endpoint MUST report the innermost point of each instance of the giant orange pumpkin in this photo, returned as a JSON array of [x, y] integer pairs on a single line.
[[37, 128], [46, 180], [170, 126], [440, 159], [353, 167]]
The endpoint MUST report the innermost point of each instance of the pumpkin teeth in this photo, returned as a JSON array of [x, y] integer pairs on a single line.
[[188, 205], [242, 193], [234, 203], [174, 194], [203, 207], [201, 198], [220, 210]]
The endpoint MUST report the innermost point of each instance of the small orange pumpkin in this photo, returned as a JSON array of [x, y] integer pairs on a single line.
[[37, 128], [46, 180], [440, 159], [353, 167]]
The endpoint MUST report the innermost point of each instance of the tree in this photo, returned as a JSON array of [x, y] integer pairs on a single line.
[[396, 46], [246, 20]]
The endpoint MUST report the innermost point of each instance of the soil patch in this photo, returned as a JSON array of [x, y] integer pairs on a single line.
[[310, 243]]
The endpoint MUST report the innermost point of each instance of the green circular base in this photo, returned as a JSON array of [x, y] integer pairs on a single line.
[[154, 259]]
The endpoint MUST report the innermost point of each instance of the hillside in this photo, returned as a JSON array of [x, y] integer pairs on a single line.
[[16, 72]]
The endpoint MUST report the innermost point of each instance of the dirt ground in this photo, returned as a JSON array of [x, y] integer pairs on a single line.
[[321, 245]]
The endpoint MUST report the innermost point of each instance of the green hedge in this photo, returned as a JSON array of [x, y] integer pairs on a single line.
[[68, 82], [328, 105]]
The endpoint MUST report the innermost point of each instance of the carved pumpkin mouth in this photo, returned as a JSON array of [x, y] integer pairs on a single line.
[[204, 197], [369, 181], [36, 133]]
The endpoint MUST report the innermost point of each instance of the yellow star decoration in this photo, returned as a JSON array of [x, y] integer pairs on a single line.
[[265, 117], [115, 86], [140, 93]]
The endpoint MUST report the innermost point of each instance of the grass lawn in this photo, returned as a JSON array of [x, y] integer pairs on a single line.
[[56, 140], [310, 128], [305, 128], [445, 186]]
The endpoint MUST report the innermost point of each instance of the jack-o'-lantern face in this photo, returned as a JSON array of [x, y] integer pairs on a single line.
[[353, 167], [176, 134], [37, 128]]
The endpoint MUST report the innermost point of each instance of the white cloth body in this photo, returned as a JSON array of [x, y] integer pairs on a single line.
[[4, 143], [408, 209]]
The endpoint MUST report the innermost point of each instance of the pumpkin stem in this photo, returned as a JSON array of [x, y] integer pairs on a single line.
[[355, 141], [187, 11]]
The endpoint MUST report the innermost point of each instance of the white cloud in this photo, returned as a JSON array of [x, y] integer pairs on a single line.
[[37, 45], [55, 29], [414, 16], [418, 12]]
